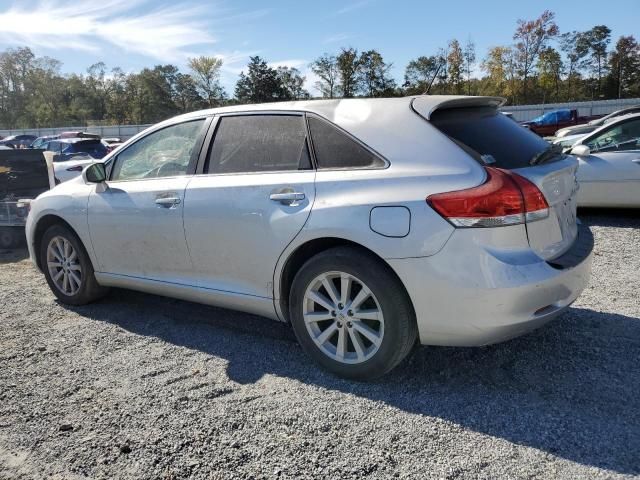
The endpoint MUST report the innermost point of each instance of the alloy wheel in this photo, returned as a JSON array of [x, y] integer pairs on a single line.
[[64, 266], [343, 317]]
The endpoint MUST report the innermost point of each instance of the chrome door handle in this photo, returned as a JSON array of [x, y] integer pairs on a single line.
[[287, 198], [167, 202]]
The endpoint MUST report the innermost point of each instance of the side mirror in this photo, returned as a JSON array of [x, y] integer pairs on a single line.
[[580, 151], [95, 173]]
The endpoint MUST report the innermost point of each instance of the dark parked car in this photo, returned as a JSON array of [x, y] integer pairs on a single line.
[[41, 142], [74, 146], [18, 141]]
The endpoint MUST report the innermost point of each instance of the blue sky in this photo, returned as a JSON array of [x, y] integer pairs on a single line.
[[133, 34]]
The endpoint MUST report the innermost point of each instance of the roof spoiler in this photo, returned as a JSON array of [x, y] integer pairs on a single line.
[[425, 105]]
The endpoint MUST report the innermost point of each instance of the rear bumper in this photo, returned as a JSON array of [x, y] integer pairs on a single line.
[[469, 294]]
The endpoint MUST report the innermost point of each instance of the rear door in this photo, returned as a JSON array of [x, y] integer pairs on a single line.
[[253, 197], [499, 142]]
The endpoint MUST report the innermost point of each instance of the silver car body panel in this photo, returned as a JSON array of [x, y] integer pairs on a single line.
[[235, 256], [609, 179]]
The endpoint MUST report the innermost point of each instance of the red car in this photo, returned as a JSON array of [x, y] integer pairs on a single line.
[[549, 123]]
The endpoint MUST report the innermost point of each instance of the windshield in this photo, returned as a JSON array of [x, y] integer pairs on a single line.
[[491, 135]]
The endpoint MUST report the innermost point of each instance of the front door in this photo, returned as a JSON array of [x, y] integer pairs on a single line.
[[136, 223], [610, 175]]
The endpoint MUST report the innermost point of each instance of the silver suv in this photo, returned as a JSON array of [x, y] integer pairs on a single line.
[[368, 224]]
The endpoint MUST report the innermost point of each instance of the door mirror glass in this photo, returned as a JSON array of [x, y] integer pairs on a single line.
[[95, 173], [581, 151]]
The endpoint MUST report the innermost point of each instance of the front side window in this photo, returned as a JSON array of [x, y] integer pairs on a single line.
[[336, 150], [259, 143], [165, 153], [621, 137]]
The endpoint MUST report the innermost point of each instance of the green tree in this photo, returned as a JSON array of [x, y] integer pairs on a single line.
[[260, 84], [469, 55], [531, 37], [549, 73], [348, 62], [598, 39], [575, 47], [326, 69], [421, 73], [291, 83], [624, 64], [500, 66], [206, 75], [375, 79], [455, 63], [186, 94]]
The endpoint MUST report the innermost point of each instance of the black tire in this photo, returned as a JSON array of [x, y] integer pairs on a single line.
[[400, 328], [89, 290]]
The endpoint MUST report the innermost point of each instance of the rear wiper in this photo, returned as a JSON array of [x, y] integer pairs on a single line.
[[546, 154]]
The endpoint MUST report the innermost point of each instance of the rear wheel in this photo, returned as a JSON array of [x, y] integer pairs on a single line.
[[351, 314], [67, 267]]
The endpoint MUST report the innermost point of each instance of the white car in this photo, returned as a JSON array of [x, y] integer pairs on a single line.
[[609, 164], [72, 155], [368, 224], [71, 167]]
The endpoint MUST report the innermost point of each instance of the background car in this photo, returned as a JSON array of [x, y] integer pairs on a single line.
[[18, 141], [548, 123], [112, 143], [41, 142], [595, 124], [73, 154], [609, 164]]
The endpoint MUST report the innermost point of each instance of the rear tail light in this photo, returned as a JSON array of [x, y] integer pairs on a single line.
[[506, 198], [77, 168]]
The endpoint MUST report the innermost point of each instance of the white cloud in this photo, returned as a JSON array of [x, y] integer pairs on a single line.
[[165, 32], [352, 6], [294, 63], [338, 37]]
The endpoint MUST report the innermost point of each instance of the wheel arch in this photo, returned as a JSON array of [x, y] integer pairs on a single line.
[[41, 227], [298, 257]]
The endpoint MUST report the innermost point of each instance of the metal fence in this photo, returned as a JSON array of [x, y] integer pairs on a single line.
[[121, 131], [522, 113]]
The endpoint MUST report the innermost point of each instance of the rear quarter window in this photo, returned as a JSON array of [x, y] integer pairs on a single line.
[[334, 149], [485, 131]]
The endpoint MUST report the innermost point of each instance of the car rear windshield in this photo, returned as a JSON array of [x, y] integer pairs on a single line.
[[490, 135], [92, 147]]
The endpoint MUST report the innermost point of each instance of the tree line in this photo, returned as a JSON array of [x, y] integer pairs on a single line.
[[540, 65]]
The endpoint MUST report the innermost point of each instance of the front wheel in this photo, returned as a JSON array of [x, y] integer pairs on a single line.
[[351, 314], [67, 267]]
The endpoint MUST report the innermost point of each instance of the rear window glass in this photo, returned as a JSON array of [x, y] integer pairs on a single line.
[[334, 149], [490, 134], [259, 143]]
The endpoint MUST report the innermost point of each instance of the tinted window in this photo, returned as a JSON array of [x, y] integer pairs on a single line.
[[488, 132], [165, 153], [94, 148], [259, 143], [335, 149], [623, 136]]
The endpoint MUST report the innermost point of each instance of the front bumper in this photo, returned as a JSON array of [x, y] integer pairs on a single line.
[[469, 294]]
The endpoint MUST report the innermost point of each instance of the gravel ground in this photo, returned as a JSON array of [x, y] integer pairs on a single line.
[[138, 386]]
